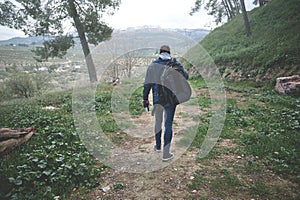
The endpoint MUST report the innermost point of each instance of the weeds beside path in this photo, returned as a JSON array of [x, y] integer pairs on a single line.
[[229, 172], [256, 156]]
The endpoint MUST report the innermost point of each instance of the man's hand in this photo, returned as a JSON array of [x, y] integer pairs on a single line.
[[145, 103]]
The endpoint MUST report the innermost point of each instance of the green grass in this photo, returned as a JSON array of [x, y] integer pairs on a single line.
[[225, 182], [265, 128], [53, 161], [272, 47], [16, 55], [196, 81], [259, 188], [22, 57], [135, 102]]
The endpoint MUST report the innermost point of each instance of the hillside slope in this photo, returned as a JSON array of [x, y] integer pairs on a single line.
[[272, 50]]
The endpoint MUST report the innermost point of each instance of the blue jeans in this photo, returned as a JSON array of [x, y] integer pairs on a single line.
[[168, 121]]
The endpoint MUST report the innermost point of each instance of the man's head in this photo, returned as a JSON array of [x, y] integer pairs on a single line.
[[164, 48]]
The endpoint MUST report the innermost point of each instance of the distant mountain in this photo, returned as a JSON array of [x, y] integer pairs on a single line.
[[195, 34], [32, 40]]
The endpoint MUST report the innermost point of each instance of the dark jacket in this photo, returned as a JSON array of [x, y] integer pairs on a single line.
[[153, 80]]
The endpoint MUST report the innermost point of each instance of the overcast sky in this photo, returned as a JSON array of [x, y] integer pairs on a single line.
[[162, 13]]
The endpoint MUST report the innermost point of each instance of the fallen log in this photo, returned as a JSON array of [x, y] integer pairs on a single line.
[[10, 138]]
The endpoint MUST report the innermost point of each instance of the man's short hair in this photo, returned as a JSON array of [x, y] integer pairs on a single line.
[[164, 48]]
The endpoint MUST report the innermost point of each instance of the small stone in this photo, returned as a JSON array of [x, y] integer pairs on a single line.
[[239, 157], [194, 191], [105, 189], [192, 177]]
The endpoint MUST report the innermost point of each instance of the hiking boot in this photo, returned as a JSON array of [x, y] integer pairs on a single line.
[[156, 149], [167, 157]]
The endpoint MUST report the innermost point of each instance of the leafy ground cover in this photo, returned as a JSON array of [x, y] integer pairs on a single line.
[[256, 157], [54, 161], [260, 141]]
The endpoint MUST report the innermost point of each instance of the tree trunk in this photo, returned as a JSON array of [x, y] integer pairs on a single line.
[[261, 3], [246, 20], [229, 14], [231, 10], [85, 47]]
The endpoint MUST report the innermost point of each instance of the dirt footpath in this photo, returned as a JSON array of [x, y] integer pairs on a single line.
[[137, 171]]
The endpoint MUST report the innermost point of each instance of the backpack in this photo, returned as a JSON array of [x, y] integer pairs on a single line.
[[175, 88]]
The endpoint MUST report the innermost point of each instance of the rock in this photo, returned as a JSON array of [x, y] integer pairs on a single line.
[[49, 108], [9, 138], [106, 189], [288, 85]]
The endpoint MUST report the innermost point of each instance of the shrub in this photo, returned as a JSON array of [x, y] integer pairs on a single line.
[[21, 85], [24, 85]]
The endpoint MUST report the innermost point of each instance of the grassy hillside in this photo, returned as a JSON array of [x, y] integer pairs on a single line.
[[256, 156], [273, 48]]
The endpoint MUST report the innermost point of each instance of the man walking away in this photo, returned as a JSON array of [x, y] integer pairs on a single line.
[[161, 104]]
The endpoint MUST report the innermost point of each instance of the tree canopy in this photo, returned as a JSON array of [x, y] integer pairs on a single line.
[[51, 17], [222, 9]]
